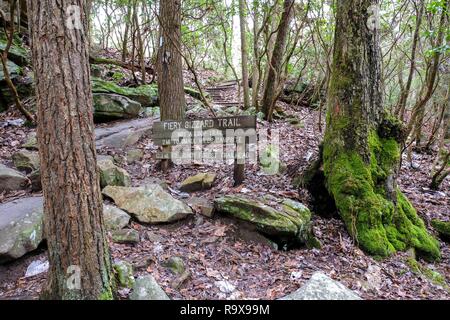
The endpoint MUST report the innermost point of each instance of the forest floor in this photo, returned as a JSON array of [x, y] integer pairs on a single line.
[[216, 249]]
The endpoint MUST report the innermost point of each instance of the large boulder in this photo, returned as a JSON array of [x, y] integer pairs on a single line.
[[115, 219], [21, 227], [201, 181], [146, 95], [146, 288], [11, 180], [108, 107], [148, 204], [321, 287], [112, 175], [27, 161], [287, 224]]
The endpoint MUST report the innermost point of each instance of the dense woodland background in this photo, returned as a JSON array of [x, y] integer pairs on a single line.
[[357, 190]]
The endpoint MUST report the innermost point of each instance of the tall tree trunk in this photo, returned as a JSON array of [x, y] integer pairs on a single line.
[[361, 145], [126, 33], [141, 51], [274, 66], [244, 63], [256, 69], [170, 68], [73, 219]]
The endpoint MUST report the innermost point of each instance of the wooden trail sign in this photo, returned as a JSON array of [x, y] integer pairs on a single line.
[[238, 131]]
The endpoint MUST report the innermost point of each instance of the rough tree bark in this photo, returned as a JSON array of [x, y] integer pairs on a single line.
[[274, 66], [169, 66], [361, 145], [73, 219]]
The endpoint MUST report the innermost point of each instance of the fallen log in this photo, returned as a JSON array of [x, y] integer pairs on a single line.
[[125, 65]]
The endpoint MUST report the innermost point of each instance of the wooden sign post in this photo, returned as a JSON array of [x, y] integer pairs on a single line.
[[239, 131]]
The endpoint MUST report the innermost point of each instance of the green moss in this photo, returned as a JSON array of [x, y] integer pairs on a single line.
[[146, 95], [107, 295], [17, 53], [442, 227], [266, 219], [379, 224], [117, 76], [432, 275], [124, 274], [195, 93]]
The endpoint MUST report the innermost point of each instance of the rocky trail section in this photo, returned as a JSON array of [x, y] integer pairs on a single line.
[[226, 253]]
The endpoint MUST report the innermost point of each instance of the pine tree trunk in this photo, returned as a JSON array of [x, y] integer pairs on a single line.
[[361, 146], [242, 17], [170, 68], [73, 219], [274, 67]]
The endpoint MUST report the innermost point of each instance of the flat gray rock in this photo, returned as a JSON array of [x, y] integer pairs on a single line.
[[148, 204], [20, 227], [321, 287], [146, 288], [11, 180], [115, 219], [123, 134]]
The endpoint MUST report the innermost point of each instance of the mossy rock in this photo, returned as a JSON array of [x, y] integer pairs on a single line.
[[124, 274], [21, 227], [109, 107], [27, 161], [146, 95], [175, 264], [250, 112], [443, 228], [289, 224], [112, 175], [17, 53], [270, 162], [194, 93], [31, 142], [233, 110]]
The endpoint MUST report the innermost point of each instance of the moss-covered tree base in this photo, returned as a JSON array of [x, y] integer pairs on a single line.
[[375, 211]]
